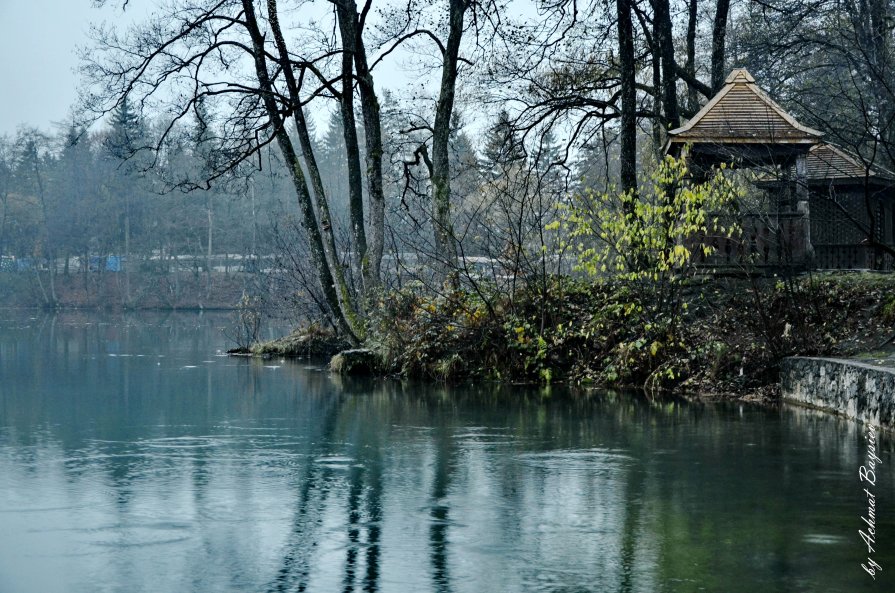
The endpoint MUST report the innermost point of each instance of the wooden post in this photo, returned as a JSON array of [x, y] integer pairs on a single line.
[[803, 207]]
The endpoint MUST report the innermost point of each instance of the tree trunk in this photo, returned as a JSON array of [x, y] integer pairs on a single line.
[[373, 129], [127, 251], [628, 132], [208, 253], [320, 235], [657, 121], [690, 67], [347, 310], [875, 36], [445, 241], [349, 132], [665, 44], [719, 51]]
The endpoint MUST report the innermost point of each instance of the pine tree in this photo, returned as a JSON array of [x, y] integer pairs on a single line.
[[125, 180], [503, 149], [593, 169], [464, 163], [333, 166], [127, 133], [548, 158], [312, 132], [77, 191], [462, 153]]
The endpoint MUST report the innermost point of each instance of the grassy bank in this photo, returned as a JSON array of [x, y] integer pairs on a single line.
[[721, 336], [729, 339]]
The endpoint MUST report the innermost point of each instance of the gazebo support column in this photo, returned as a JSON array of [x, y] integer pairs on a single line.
[[802, 205]]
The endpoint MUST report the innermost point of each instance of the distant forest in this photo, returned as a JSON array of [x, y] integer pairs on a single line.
[[76, 201]]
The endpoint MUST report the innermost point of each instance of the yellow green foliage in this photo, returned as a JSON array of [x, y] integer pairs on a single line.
[[652, 235], [646, 244]]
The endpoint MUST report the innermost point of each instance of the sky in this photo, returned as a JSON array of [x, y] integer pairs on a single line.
[[38, 56], [38, 59]]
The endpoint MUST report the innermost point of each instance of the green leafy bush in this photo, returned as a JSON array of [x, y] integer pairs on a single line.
[[646, 244]]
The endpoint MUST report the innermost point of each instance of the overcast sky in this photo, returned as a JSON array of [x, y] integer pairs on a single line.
[[38, 83], [38, 57]]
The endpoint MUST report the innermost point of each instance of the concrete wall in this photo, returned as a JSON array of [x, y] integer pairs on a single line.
[[848, 387]]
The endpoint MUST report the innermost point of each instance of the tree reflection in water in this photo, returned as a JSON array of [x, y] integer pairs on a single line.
[[122, 432]]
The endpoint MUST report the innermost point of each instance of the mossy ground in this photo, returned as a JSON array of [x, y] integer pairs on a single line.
[[729, 339], [307, 341]]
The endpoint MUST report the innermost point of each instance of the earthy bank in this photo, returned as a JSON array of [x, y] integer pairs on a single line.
[[715, 336]]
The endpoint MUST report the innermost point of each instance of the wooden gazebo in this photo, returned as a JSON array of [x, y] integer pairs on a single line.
[[849, 200], [741, 125]]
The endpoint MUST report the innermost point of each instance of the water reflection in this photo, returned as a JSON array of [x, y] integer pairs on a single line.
[[133, 458]]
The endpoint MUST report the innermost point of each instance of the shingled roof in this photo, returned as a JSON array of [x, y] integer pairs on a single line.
[[742, 113], [828, 162]]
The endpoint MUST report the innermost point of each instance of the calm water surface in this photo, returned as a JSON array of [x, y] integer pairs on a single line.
[[135, 457]]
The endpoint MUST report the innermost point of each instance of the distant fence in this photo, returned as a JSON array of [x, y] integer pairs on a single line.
[[227, 263]]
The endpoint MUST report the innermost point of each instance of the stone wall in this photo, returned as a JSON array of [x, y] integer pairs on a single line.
[[851, 388]]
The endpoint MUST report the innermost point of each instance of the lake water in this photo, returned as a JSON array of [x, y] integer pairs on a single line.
[[135, 457]]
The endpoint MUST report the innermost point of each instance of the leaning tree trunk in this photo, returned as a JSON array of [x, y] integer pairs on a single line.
[[320, 235], [373, 140]]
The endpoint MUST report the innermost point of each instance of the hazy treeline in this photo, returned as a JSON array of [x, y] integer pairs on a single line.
[[71, 198], [72, 201], [71, 195]]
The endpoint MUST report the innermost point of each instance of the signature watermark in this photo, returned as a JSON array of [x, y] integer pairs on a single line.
[[867, 475]]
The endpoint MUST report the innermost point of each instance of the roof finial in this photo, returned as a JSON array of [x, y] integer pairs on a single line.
[[739, 75]]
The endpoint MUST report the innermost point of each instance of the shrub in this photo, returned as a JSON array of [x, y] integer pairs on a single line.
[[645, 244]]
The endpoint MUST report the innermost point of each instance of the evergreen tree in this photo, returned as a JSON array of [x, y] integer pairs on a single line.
[[465, 178], [594, 169], [462, 153], [548, 166], [77, 189], [127, 134], [503, 149], [333, 166], [125, 187]]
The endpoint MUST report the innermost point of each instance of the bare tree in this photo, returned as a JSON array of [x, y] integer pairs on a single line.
[[235, 54]]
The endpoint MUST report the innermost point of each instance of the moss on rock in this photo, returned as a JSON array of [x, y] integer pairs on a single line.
[[355, 362], [310, 341]]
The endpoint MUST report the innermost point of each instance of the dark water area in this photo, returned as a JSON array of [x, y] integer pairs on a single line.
[[136, 457]]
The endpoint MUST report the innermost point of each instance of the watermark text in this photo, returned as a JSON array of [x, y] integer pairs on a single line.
[[867, 475]]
